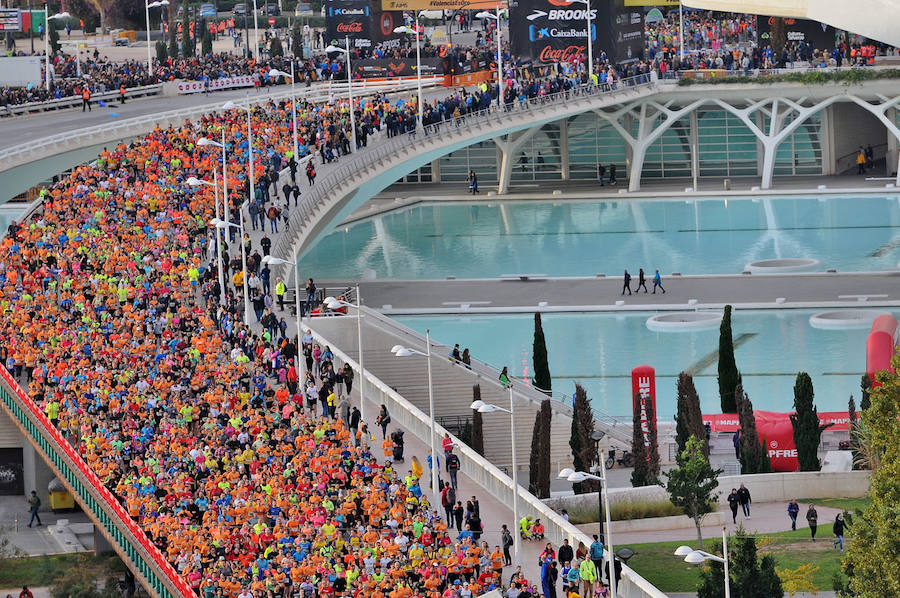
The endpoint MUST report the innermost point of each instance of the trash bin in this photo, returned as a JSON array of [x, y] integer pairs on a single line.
[[60, 499]]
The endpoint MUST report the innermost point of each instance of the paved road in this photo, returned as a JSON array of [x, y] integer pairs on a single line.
[[602, 294]]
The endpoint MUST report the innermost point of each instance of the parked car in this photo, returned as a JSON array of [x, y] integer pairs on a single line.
[[270, 10], [208, 11], [240, 10]]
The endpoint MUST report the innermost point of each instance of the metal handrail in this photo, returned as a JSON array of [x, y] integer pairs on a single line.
[[76, 137], [130, 540], [75, 101]]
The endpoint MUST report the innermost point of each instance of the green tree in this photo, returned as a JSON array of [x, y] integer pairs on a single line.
[[689, 418], [751, 577], [805, 421], [543, 481], [162, 52], [584, 454], [187, 45], [206, 45], [645, 451], [539, 357], [754, 456], [534, 458], [865, 385], [729, 376], [297, 40], [275, 48], [477, 423], [874, 554], [173, 30], [692, 483], [54, 37]]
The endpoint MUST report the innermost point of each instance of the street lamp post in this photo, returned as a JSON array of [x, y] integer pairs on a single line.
[[580, 476], [482, 407], [203, 142], [193, 182], [590, 45], [271, 259], [695, 557], [331, 49], [148, 6], [277, 73], [231, 106], [405, 29], [401, 351], [48, 17], [332, 303], [220, 224], [487, 15], [255, 31]]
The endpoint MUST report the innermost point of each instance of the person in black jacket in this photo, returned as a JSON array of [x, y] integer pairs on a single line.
[[838, 530], [733, 501], [744, 496], [565, 553]]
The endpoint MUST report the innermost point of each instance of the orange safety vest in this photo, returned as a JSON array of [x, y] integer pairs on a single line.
[[85, 94]]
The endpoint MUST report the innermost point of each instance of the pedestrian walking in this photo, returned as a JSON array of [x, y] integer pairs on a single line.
[[626, 286], [34, 505], [793, 510], [310, 173], [601, 170], [860, 160], [383, 419], [744, 496], [280, 290], [733, 501], [596, 553], [838, 530], [86, 98], [812, 518], [507, 542], [657, 282], [736, 441], [453, 468], [472, 179], [642, 282]]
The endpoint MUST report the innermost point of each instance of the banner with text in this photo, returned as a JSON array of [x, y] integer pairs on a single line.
[[187, 87], [547, 31], [818, 35], [441, 4], [403, 67], [349, 18]]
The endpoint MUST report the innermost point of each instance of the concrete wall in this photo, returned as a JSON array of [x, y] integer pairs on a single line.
[[764, 487], [852, 126]]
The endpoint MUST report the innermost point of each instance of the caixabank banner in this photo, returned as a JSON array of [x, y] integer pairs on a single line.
[[548, 31], [349, 18]]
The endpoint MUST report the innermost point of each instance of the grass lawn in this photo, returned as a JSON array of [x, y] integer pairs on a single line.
[[847, 504], [43, 570], [657, 563]]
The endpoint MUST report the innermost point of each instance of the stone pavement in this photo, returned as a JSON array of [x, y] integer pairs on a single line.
[[48, 538]]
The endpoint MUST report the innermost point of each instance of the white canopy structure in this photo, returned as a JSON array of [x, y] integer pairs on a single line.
[[871, 18]]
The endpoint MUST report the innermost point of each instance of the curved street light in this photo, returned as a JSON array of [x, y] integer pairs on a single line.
[[332, 49], [417, 32], [489, 15], [271, 259], [695, 557], [333, 304], [147, 7]]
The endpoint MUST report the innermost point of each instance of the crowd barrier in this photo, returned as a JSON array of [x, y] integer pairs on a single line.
[[75, 101]]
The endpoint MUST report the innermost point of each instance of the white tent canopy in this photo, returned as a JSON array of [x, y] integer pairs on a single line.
[[874, 19]]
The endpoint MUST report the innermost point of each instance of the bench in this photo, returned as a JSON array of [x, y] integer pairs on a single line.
[[523, 277]]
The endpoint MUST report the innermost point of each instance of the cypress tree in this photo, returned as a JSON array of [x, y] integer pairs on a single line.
[[534, 459], [187, 46], [729, 376], [653, 449], [54, 36], [275, 48], [543, 482], [754, 456], [805, 421], [297, 40], [162, 52], [539, 357], [207, 42], [865, 384], [689, 419], [638, 450], [477, 423], [583, 454], [173, 33]]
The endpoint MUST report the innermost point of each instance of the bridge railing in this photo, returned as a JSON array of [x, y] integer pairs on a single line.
[[75, 101], [128, 539]]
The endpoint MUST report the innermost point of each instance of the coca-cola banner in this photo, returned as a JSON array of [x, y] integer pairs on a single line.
[[404, 67], [349, 18], [548, 31]]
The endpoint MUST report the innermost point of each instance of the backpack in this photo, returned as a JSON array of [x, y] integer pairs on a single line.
[[452, 462]]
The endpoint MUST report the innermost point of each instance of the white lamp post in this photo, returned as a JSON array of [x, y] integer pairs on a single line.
[[147, 7], [277, 73], [401, 351], [193, 182], [221, 224], [487, 15], [255, 32], [416, 32], [482, 407], [271, 259], [695, 557], [62, 15], [580, 476], [681, 29], [590, 44], [203, 142], [333, 303], [232, 106], [331, 49]]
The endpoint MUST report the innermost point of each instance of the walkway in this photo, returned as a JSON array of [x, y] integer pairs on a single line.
[[754, 291]]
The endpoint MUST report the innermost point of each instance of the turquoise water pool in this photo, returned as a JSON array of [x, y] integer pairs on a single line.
[[584, 238], [599, 350]]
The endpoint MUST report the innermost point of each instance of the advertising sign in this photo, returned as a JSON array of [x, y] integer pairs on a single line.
[[349, 18], [188, 87], [818, 35], [9, 19], [548, 31], [440, 4], [643, 389], [404, 67]]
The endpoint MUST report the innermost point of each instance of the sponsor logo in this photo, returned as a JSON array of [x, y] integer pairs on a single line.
[[535, 33], [397, 68], [781, 454], [350, 12], [774, 444], [354, 27]]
